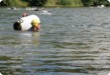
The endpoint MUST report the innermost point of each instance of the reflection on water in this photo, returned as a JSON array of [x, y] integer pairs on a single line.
[[72, 41], [27, 38]]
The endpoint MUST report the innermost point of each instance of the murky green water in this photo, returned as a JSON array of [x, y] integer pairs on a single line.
[[72, 41]]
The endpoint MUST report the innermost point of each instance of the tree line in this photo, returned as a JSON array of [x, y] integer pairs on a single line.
[[95, 2], [60, 2]]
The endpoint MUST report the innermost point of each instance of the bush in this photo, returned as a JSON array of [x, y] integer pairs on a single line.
[[64, 2]]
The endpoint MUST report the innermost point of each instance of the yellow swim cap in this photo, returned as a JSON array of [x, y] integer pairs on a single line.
[[35, 22]]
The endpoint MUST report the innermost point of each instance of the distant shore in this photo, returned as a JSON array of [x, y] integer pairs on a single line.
[[54, 3]]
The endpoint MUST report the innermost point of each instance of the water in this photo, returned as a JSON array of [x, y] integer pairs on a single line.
[[72, 41]]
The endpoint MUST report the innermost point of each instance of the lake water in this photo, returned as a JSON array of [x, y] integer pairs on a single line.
[[72, 41]]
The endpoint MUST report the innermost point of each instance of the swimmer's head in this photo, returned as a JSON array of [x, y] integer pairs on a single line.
[[35, 22], [24, 14]]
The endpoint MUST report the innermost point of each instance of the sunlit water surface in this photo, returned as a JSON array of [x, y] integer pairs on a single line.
[[72, 41]]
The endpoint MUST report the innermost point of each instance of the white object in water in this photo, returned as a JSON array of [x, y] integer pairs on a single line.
[[101, 6], [109, 0], [0, 0], [108, 73], [0, 74], [25, 22], [29, 8], [45, 12]]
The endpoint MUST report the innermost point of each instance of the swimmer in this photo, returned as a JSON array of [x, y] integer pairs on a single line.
[[35, 25]]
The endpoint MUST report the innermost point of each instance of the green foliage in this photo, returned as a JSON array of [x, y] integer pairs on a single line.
[[37, 2], [15, 3], [67, 3], [54, 2], [76, 3], [95, 2], [87, 2], [64, 2]]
